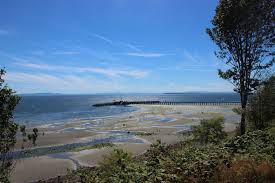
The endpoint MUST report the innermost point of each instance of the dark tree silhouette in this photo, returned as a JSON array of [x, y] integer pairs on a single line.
[[8, 128], [244, 33], [261, 106]]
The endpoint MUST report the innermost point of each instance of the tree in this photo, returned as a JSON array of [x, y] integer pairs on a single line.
[[8, 127], [261, 107], [244, 33]]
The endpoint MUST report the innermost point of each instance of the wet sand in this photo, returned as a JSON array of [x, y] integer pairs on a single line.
[[162, 122]]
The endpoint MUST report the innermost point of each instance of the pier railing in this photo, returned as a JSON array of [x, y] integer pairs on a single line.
[[163, 103]]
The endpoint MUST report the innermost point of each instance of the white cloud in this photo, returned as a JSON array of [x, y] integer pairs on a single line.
[[111, 72], [32, 83], [146, 54], [39, 82]]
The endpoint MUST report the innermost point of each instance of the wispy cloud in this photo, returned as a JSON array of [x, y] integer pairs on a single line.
[[146, 54], [191, 57], [107, 40], [111, 72], [30, 82], [131, 46], [117, 43], [66, 52]]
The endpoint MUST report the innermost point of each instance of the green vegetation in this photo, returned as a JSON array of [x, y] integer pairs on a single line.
[[8, 129], [261, 107], [244, 33], [143, 133], [96, 146], [208, 155], [209, 131], [189, 161]]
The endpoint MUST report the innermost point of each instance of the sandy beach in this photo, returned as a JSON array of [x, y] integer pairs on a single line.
[[133, 132]]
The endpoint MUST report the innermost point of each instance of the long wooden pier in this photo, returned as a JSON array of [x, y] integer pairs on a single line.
[[163, 103]]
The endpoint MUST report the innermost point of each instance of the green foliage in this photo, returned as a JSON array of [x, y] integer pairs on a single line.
[[155, 162], [271, 131], [186, 161], [118, 167], [196, 164], [33, 137], [237, 110], [258, 145], [261, 107], [8, 128], [209, 131], [244, 33], [96, 146], [88, 176], [140, 133], [28, 136]]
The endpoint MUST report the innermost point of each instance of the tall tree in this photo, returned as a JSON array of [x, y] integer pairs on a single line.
[[8, 128], [261, 106], [244, 33]]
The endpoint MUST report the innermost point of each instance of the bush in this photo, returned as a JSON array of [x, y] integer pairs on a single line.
[[238, 159], [258, 145], [245, 170], [209, 131]]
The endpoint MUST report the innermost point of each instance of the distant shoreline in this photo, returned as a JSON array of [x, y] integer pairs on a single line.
[[98, 94]]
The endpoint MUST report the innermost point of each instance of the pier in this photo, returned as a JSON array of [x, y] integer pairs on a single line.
[[124, 103]]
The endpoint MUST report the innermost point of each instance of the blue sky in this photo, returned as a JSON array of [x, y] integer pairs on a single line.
[[95, 46]]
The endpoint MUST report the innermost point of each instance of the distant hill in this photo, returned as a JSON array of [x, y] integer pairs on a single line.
[[40, 94], [199, 92]]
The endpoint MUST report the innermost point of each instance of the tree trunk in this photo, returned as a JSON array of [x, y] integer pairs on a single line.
[[243, 116], [242, 125]]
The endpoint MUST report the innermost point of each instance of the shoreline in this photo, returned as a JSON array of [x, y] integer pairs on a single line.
[[160, 122]]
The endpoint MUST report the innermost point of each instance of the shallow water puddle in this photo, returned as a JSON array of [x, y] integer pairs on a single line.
[[113, 137]]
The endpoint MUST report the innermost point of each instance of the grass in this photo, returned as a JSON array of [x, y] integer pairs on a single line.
[[96, 146], [143, 133]]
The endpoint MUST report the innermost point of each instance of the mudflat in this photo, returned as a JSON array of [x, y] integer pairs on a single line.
[[134, 132]]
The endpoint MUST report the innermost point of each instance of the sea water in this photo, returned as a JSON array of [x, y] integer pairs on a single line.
[[49, 109]]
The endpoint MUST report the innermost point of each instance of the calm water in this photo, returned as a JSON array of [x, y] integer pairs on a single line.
[[65, 108]]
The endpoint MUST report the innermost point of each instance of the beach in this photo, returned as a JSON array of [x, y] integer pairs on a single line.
[[134, 132]]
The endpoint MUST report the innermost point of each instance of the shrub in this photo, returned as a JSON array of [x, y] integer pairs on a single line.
[[257, 145], [238, 159], [245, 171], [209, 131]]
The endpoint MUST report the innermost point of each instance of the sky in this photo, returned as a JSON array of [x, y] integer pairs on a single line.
[[109, 46]]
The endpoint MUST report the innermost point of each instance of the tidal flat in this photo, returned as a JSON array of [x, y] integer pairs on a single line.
[[64, 146]]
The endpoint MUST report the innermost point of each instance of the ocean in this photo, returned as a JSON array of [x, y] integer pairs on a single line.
[[49, 109]]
